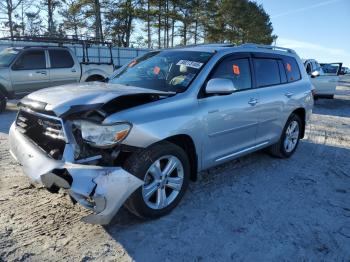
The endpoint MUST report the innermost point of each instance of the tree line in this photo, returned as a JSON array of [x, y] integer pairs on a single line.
[[142, 23]]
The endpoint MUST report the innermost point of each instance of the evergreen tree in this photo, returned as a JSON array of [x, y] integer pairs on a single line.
[[73, 18]]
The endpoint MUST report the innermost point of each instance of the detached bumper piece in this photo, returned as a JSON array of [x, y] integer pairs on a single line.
[[100, 189]]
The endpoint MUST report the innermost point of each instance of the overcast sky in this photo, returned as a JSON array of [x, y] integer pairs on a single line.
[[315, 29]]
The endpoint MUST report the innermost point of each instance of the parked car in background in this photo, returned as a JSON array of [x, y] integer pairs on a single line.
[[324, 77], [160, 120], [27, 69], [344, 70]]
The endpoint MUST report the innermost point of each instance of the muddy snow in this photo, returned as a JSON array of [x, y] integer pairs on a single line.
[[253, 208]]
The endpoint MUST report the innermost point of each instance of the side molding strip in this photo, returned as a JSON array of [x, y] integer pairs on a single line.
[[242, 151]]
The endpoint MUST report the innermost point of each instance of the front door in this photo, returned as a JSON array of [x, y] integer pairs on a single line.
[[328, 78], [231, 120], [29, 72]]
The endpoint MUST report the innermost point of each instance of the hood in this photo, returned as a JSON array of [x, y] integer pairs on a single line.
[[60, 99]]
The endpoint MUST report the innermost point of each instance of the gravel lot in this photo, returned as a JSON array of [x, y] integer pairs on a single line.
[[253, 208]]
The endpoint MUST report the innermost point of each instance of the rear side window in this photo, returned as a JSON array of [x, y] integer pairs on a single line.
[[282, 72], [60, 59], [292, 69], [266, 72], [238, 70], [31, 60]]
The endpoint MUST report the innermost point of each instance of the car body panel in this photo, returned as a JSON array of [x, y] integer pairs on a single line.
[[65, 97], [230, 124]]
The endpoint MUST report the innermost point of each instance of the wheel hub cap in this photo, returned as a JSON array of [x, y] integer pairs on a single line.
[[163, 182], [292, 136]]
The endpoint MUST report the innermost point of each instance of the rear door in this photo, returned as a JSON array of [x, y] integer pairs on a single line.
[[231, 120], [63, 70], [272, 95], [29, 71], [277, 79]]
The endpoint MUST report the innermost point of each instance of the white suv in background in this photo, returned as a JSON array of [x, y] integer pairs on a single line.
[[324, 77]]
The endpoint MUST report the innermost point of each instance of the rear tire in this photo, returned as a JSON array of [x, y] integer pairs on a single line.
[[157, 197], [3, 102], [289, 140]]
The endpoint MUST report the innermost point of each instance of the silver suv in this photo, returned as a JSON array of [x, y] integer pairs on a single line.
[[161, 119]]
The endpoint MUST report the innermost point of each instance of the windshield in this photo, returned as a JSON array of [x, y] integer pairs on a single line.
[[7, 55], [162, 70]]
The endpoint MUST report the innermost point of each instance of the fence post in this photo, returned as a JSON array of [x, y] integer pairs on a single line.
[[118, 56], [99, 54]]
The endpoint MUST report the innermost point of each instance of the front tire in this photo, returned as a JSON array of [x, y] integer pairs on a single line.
[[165, 170], [289, 139]]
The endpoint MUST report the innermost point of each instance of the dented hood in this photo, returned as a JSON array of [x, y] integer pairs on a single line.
[[60, 99]]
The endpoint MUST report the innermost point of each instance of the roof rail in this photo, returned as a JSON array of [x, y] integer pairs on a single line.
[[59, 40], [43, 46], [277, 48]]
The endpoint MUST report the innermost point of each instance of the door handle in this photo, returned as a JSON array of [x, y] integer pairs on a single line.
[[253, 101], [73, 71], [289, 94], [41, 72]]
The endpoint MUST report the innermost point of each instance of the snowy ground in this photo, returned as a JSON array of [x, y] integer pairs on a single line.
[[254, 208]]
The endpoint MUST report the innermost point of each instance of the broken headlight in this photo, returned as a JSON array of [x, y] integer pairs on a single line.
[[103, 136]]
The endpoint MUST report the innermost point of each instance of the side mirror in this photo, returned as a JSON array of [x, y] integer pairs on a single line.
[[315, 73], [220, 86]]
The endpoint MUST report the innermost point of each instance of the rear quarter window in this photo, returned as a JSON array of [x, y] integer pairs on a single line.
[[292, 69]]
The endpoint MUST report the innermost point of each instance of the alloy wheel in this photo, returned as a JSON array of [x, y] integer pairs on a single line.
[[292, 136], [163, 182]]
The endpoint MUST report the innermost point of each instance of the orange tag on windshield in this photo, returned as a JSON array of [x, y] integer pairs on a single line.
[[236, 70], [289, 68], [156, 70], [132, 63]]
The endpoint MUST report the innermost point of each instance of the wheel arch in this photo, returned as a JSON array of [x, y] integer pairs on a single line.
[[187, 144], [4, 92], [301, 113], [95, 77]]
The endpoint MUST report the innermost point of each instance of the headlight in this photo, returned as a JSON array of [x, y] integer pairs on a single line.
[[103, 136]]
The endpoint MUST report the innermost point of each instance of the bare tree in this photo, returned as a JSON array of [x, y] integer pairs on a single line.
[[9, 7], [50, 6]]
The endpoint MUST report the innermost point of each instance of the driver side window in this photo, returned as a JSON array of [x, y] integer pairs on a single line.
[[31, 60], [237, 70]]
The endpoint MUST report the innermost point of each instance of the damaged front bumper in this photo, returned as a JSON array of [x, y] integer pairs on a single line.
[[101, 189]]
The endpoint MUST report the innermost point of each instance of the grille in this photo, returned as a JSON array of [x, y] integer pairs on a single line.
[[44, 131]]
